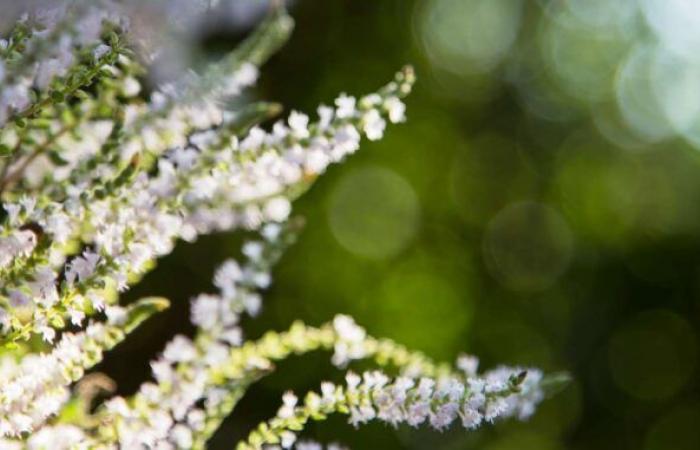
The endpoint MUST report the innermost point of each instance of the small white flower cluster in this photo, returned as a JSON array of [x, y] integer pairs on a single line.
[[504, 392], [36, 387], [351, 342], [57, 437]]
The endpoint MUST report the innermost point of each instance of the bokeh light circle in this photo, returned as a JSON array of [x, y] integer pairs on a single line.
[[373, 212], [478, 173], [468, 36], [583, 61], [676, 23], [675, 83], [527, 246], [635, 96], [653, 355], [435, 311]]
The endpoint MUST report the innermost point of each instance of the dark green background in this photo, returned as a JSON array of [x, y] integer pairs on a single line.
[[520, 239]]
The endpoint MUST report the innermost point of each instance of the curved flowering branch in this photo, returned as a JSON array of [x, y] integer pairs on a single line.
[[438, 402]]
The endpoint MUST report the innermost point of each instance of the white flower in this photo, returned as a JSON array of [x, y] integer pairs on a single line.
[[253, 250], [247, 74], [471, 418], [131, 87], [228, 275], [350, 344], [396, 109], [196, 419], [299, 123], [255, 139], [468, 364], [232, 336], [44, 286], [253, 302], [347, 329], [180, 349], [277, 209], [100, 51], [76, 316], [325, 116], [308, 445], [59, 225], [48, 334], [289, 403], [346, 106], [162, 371], [353, 380], [271, 231], [82, 267], [374, 125], [205, 311], [204, 187], [182, 436], [18, 298], [287, 439]]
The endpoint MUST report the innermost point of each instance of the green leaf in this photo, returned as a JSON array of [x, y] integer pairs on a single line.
[[554, 383], [268, 37], [252, 115], [57, 96], [55, 158], [138, 312]]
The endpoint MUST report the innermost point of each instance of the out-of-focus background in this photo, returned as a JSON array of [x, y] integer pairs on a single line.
[[540, 207]]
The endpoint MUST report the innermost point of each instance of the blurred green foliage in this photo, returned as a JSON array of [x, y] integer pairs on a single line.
[[538, 208]]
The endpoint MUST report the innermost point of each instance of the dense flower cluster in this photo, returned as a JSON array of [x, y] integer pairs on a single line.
[[36, 387], [99, 178]]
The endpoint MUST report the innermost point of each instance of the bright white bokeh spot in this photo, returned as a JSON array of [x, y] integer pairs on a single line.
[[636, 99], [373, 212], [676, 83], [468, 36], [609, 122], [676, 23]]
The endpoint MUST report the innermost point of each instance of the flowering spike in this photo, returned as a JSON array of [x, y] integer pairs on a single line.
[[140, 311], [375, 396]]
